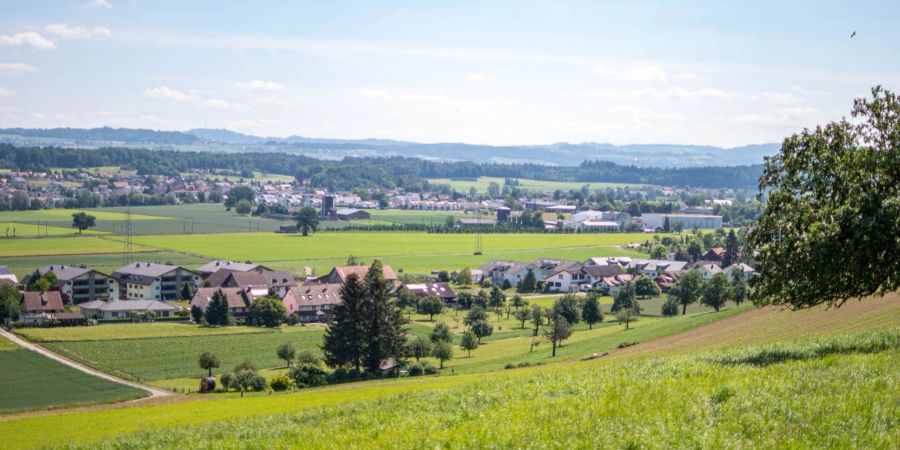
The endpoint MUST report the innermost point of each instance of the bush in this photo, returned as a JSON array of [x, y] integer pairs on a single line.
[[227, 380], [343, 374], [293, 319], [258, 383], [280, 383], [509, 366], [670, 307], [416, 370], [306, 375]]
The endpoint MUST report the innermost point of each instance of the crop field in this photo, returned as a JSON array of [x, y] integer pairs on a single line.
[[61, 246], [837, 391], [128, 331], [414, 216], [31, 381], [482, 183], [56, 215], [414, 252], [176, 357], [17, 229], [195, 218], [104, 262]]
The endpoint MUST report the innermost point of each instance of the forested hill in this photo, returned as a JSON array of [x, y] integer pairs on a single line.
[[351, 173]]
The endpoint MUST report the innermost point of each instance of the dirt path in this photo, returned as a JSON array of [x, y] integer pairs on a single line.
[[154, 392]]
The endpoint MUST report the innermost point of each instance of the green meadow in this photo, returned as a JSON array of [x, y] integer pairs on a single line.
[[20, 229]]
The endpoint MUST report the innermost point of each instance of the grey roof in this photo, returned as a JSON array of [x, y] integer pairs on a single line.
[[218, 264], [347, 211], [142, 272], [64, 272], [604, 271], [128, 305], [5, 270]]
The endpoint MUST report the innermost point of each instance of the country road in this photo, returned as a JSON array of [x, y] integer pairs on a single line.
[[154, 392]]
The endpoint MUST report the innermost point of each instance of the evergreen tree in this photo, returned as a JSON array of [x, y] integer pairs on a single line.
[[345, 340], [217, 312], [529, 283], [666, 226], [196, 313], [732, 250], [385, 334]]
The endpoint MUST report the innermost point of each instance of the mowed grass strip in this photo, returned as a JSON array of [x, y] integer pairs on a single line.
[[17, 229], [66, 214], [812, 401], [176, 357], [61, 246], [31, 381], [129, 331]]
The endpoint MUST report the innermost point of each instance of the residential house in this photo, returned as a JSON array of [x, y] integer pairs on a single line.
[[6, 274], [80, 284], [263, 280], [749, 272], [709, 270], [153, 281], [339, 274], [611, 285], [314, 301], [440, 290], [499, 271], [214, 266], [714, 254], [654, 268], [352, 214], [667, 280], [126, 309], [566, 280], [239, 299], [597, 273], [39, 307]]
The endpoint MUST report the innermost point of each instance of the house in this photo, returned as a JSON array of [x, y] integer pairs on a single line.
[[653, 268], [686, 221], [38, 308], [352, 214], [709, 270], [611, 285], [125, 309], [714, 254], [597, 273], [749, 272], [544, 267], [278, 280], [80, 284], [153, 281], [499, 271], [440, 290], [239, 299], [315, 302], [666, 281], [339, 274], [6, 274], [476, 222], [213, 266], [566, 280]]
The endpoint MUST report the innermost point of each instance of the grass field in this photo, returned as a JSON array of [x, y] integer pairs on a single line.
[[413, 216], [482, 183], [839, 392], [15, 229], [104, 262], [31, 381], [176, 357], [55, 215], [61, 246], [127, 331]]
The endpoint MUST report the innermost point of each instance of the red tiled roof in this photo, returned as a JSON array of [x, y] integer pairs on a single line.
[[47, 301]]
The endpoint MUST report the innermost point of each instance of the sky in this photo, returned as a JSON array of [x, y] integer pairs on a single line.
[[719, 73]]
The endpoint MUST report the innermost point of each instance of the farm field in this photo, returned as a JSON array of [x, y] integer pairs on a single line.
[[413, 216], [65, 215], [839, 391], [17, 229], [482, 183], [176, 357], [51, 246], [31, 381], [128, 331], [195, 218], [104, 262]]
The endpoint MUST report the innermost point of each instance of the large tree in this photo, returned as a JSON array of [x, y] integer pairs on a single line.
[[590, 311], [717, 291], [217, 312], [83, 221], [307, 220], [385, 335], [687, 289], [345, 341], [10, 302], [645, 287], [829, 231], [732, 250]]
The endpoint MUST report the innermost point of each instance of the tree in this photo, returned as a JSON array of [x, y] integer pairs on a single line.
[[440, 333], [559, 331], [267, 311], [497, 298], [732, 250], [738, 286], [464, 277], [286, 352], [308, 357], [670, 307], [443, 352], [186, 293], [238, 193], [377, 325], [196, 314], [307, 220], [83, 221], [10, 302], [626, 316], [829, 229], [481, 328], [522, 315], [666, 227], [517, 301], [475, 314], [529, 283], [245, 380], [717, 291], [217, 312], [345, 338], [590, 310], [687, 289], [567, 306], [431, 305], [537, 318], [208, 361], [645, 287], [306, 375], [469, 342], [626, 299], [419, 347], [243, 207]]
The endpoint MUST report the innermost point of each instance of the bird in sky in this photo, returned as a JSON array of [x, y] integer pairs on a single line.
[[853, 35]]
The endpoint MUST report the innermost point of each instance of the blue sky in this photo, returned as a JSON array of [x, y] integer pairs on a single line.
[[719, 73]]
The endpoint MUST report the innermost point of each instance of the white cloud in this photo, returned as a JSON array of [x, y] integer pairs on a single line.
[[781, 116], [272, 100], [645, 74], [97, 4], [6, 92], [8, 68], [27, 39], [192, 97], [674, 93], [376, 94], [73, 32], [260, 85], [480, 77]]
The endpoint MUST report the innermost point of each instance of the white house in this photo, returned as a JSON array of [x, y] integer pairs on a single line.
[[749, 272], [709, 270], [153, 281], [687, 221], [80, 284], [125, 309]]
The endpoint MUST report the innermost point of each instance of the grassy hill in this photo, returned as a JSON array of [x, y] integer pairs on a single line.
[[833, 390]]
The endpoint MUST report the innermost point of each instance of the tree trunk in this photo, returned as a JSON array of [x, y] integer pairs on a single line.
[[554, 347], [683, 309]]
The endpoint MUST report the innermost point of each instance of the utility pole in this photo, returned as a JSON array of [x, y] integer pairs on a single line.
[[478, 248]]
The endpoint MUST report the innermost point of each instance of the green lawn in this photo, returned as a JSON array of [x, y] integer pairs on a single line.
[[128, 331], [53, 215], [482, 183], [414, 216], [104, 262], [31, 381], [176, 357], [16, 229], [53, 246]]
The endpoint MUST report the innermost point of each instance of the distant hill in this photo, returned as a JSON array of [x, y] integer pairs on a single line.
[[558, 154]]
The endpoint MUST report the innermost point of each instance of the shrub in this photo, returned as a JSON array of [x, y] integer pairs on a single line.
[[343, 374], [227, 381], [509, 366], [416, 370], [258, 383], [307, 375], [280, 383]]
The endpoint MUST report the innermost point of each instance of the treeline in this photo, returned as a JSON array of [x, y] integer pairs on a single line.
[[355, 173]]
